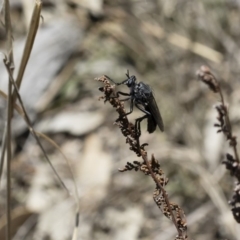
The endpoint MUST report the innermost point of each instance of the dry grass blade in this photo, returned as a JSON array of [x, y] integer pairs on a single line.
[[7, 143], [75, 232], [195, 47], [20, 111], [11, 98], [29, 43], [7, 140], [215, 192], [3, 150], [156, 30], [28, 121], [16, 106], [77, 199], [118, 32], [8, 28], [36, 135]]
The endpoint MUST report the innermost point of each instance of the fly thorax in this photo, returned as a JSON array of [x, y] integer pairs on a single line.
[[139, 93]]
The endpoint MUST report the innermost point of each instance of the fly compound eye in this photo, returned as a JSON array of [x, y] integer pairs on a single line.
[[133, 78], [131, 81]]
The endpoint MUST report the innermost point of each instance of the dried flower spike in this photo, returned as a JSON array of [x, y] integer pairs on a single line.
[[148, 167], [223, 125], [204, 74]]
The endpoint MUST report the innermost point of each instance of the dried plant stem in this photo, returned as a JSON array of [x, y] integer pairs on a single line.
[[9, 157], [228, 124], [35, 135], [231, 162], [28, 121], [36, 15], [3, 150], [11, 101], [7, 140], [12, 96], [150, 168], [23, 113], [145, 159]]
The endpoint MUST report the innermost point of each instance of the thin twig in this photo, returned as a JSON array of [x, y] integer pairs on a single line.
[[30, 124], [7, 142], [36, 15], [35, 134], [3, 151], [231, 162], [228, 123], [151, 169], [144, 157]]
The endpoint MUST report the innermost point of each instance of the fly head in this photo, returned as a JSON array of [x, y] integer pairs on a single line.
[[131, 81]]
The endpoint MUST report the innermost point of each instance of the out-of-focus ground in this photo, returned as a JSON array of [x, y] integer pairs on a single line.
[[163, 43]]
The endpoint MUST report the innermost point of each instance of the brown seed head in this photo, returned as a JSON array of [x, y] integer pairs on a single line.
[[204, 74]]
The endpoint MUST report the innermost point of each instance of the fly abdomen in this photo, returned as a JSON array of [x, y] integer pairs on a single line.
[[151, 124]]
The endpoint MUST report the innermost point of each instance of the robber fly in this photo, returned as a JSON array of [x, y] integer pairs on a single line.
[[141, 96]]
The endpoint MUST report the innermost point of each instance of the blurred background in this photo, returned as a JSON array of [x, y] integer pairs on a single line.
[[163, 43]]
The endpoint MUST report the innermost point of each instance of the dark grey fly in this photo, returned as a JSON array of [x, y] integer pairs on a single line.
[[142, 97]]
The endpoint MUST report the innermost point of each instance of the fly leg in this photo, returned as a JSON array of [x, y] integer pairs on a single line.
[[138, 130], [125, 99], [124, 94], [138, 123], [138, 120], [117, 83], [131, 110]]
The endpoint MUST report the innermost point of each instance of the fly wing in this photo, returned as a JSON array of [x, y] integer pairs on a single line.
[[153, 109], [144, 96], [151, 124]]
